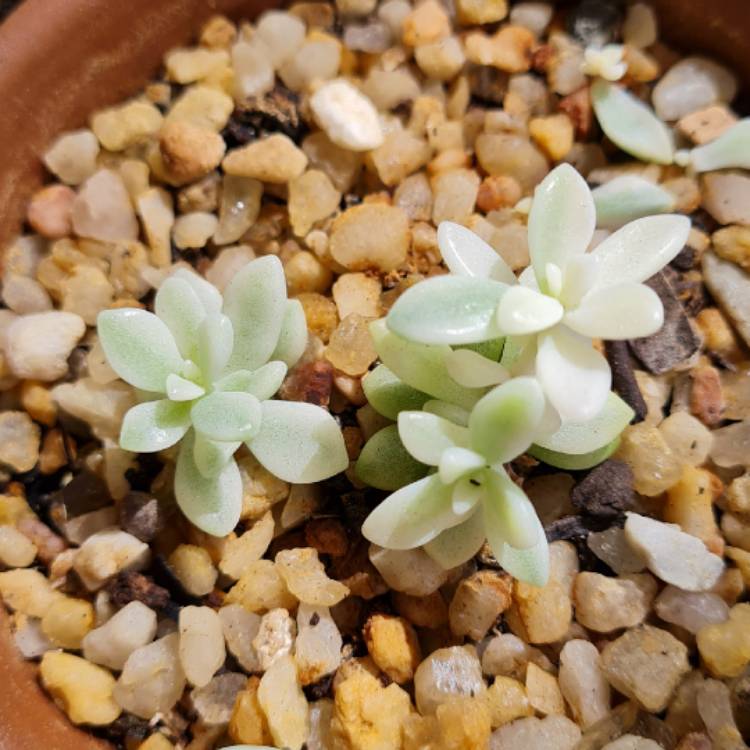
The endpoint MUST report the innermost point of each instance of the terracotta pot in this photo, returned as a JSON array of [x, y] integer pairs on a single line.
[[60, 60]]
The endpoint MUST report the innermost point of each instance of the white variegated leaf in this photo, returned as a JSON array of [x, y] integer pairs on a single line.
[[211, 456], [522, 311], [215, 343], [181, 389], [293, 334], [154, 425], [627, 198], [457, 544], [467, 254], [472, 370], [426, 435], [180, 308], [389, 395]]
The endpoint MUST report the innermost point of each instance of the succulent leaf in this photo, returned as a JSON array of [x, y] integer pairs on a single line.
[[385, 464]]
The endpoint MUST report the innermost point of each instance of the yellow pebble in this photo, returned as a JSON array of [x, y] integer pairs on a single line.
[[248, 724], [507, 701], [725, 647], [67, 621], [156, 742]]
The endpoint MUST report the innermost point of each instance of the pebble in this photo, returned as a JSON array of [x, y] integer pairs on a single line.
[[513, 156], [707, 124], [730, 286], [157, 216], [350, 349], [284, 704], [478, 601], [203, 106], [102, 209], [441, 60], [655, 468], [472, 12], [156, 741], [412, 571], [47, 545], [605, 604], [690, 506], [274, 159], [24, 295], [373, 38], [253, 72], [370, 236], [16, 549], [201, 647], [550, 733], [189, 151], [318, 646], [29, 638], [445, 674], [347, 116], [142, 515], [553, 134], [152, 680], [86, 292], [540, 615], [583, 683], [312, 198], [341, 165], [535, 16], [240, 206], [240, 552], [387, 89], [632, 742], [19, 440], [193, 567], [49, 211], [672, 555], [725, 647], [507, 701], [107, 553], [240, 628], [543, 692], [275, 637], [508, 50], [400, 154], [725, 196], [692, 84], [306, 578], [67, 621], [688, 438], [187, 65], [692, 610], [357, 293], [82, 689], [454, 195], [733, 244], [247, 724], [214, 702], [27, 592], [72, 156], [128, 629], [507, 655], [393, 645], [715, 708], [565, 68], [318, 59], [282, 34], [261, 588], [593, 22], [120, 127], [428, 22], [606, 491], [645, 664]]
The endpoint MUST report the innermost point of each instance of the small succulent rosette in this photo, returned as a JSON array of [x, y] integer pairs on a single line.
[[207, 369]]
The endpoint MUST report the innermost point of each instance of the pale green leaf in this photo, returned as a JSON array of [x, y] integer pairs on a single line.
[[139, 347], [255, 302], [181, 389], [467, 493], [426, 435], [154, 426], [208, 294], [522, 311], [213, 504], [293, 335], [730, 150], [448, 310], [457, 462], [472, 370], [561, 221], [457, 544], [422, 366], [299, 442], [227, 416], [528, 565], [451, 412], [385, 464], [504, 422], [263, 383], [491, 349], [573, 462], [388, 395], [629, 197], [215, 342], [180, 308], [212, 456], [467, 254]]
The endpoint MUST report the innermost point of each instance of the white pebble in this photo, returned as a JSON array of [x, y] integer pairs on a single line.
[[583, 683], [632, 742], [201, 644], [193, 230], [16, 549], [282, 33], [640, 28], [72, 157], [25, 295], [691, 610], [412, 571], [102, 209], [275, 637], [214, 702], [240, 628], [107, 553], [317, 649], [533, 16]]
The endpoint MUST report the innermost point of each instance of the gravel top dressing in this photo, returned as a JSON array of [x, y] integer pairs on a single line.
[[378, 378]]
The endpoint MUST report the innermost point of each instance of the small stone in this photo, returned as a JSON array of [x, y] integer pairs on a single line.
[[29, 638], [24, 295], [428, 22], [507, 655], [16, 550], [261, 588], [240, 552], [67, 621], [606, 491], [393, 645], [341, 165], [715, 708], [688, 438], [19, 440], [695, 741], [350, 348], [565, 67], [509, 49], [706, 397], [414, 196], [272, 159], [240, 206], [86, 292], [472, 12], [347, 116], [120, 127], [128, 629], [247, 724], [284, 704], [387, 89], [106, 554], [201, 646], [464, 723], [479, 600], [535, 16], [357, 293], [82, 689], [274, 638], [733, 244], [672, 555], [311, 382], [725, 647], [102, 209], [131, 586], [373, 38], [317, 649], [553, 134], [400, 154], [318, 59], [193, 64], [632, 742], [540, 615], [644, 449], [202, 106], [320, 314], [582, 682], [370, 236], [690, 610], [72, 157], [305, 577], [729, 285], [725, 196], [189, 151], [499, 191], [507, 701], [49, 211], [513, 156], [454, 195], [141, 515], [445, 674], [240, 628], [312, 198], [550, 733], [604, 604], [157, 741], [543, 692], [27, 592], [157, 215], [645, 664], [412, 571], [214, 702], [707, 124], [355, 7], [441, 60], [193, 567]]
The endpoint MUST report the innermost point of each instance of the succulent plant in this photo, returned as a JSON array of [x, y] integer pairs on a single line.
[[207, 370]]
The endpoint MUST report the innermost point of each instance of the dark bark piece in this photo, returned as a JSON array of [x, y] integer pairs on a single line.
[[85, 493], [311, 382], [142, 516], [675, 341], [274, 112], [130, 586], [624, 383], [606, 491], [327, 535]]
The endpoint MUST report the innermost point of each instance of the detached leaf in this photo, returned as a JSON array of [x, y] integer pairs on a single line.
[[139, 347], [631, 124], [299, 443], [730, 149], [180, 308], [456, 545], [154, 426], [385, 464], [215, 342], [448, 310], [227, 416], [573, 462], [627, 198], [211, 456], [255, 302], [388, 395], [426, 436], [293, 335], [467, 254], [212, 504]]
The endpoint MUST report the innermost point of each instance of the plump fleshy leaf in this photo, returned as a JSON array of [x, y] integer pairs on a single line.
[[561, 221], [411, 516], [730, 149], [572, 462], [385, 464], [215, 342], [574, 376], [211, 456], [255, 302], [299, 442], [492, 349], [181, 389], [208, 294], [472, 370], [451, 412], [448, 310], [467, 493], [631, 124], [389, 395], [181, 309], [467, 254], [227, 416], [586, 437], [422, 366], [513, 516], [457, 544], [458, 462], [629, 197], [529, 565], [640, 249], [213, 504], [262, 383], [621, 311], [504, 422], [580, 278], [522, 311], [426, 435], [293, 334], [139, 347], [154, 425]]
